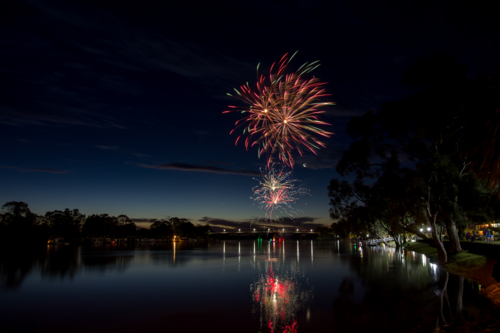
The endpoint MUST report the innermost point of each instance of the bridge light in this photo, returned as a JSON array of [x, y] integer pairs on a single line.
[[297, 229], [253, 229], [239, 229], [224, 230], [311, 230]]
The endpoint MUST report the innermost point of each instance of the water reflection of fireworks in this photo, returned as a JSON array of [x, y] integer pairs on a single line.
[[278, 297]]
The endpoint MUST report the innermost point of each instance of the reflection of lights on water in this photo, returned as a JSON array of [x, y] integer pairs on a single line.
[[434, 269], [297, 251], [278, 297], [174, 252], [283, 251], [312, 252], [223, 255], [424, 259]]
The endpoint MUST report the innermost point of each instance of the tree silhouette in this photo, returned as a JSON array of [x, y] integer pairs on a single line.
[[420, 132], [162, 229], [19, 220], [480, 127], [66, 223]]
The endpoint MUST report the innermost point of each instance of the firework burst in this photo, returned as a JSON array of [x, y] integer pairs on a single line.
[[282, 112], [277, 192]]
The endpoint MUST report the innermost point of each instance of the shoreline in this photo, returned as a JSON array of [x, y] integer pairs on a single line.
[[477, 267]]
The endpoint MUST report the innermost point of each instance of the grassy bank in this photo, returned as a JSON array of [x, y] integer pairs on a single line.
[[473, 266]]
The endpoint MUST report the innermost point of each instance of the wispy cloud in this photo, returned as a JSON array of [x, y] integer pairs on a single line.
[[103, 57], [139, 155], [198, 132], [219, 163], [107, 147], [200, 168], [33, 170]]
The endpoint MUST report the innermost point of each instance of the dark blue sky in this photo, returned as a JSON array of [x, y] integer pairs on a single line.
[[117, 108]]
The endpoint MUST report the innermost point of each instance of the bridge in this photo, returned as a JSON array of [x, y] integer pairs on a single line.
[[264, 233], [256, 232]]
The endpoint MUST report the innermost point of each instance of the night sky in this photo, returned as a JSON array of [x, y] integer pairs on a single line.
[[116, 108]]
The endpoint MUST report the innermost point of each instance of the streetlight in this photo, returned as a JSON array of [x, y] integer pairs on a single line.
[[428, 229], [297, 229], [253, 229], [421, 229], [224, 230], [239, 229], [311, 230]]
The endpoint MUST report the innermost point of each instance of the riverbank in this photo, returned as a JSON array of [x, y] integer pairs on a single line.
[[478, 267]]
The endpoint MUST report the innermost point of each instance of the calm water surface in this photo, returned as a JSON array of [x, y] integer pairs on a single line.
[[232, 286]]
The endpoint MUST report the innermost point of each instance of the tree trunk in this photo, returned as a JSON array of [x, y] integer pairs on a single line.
[[451, 228], [443, 257], [396, 240], [442, 298]]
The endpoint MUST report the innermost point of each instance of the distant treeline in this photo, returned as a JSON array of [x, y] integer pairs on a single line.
[[18, 223]]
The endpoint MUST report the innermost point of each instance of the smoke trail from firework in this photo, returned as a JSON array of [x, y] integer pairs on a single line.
[[282, 112], [276, 192]]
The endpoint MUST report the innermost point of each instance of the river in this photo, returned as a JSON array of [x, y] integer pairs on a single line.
[[232, 286]]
